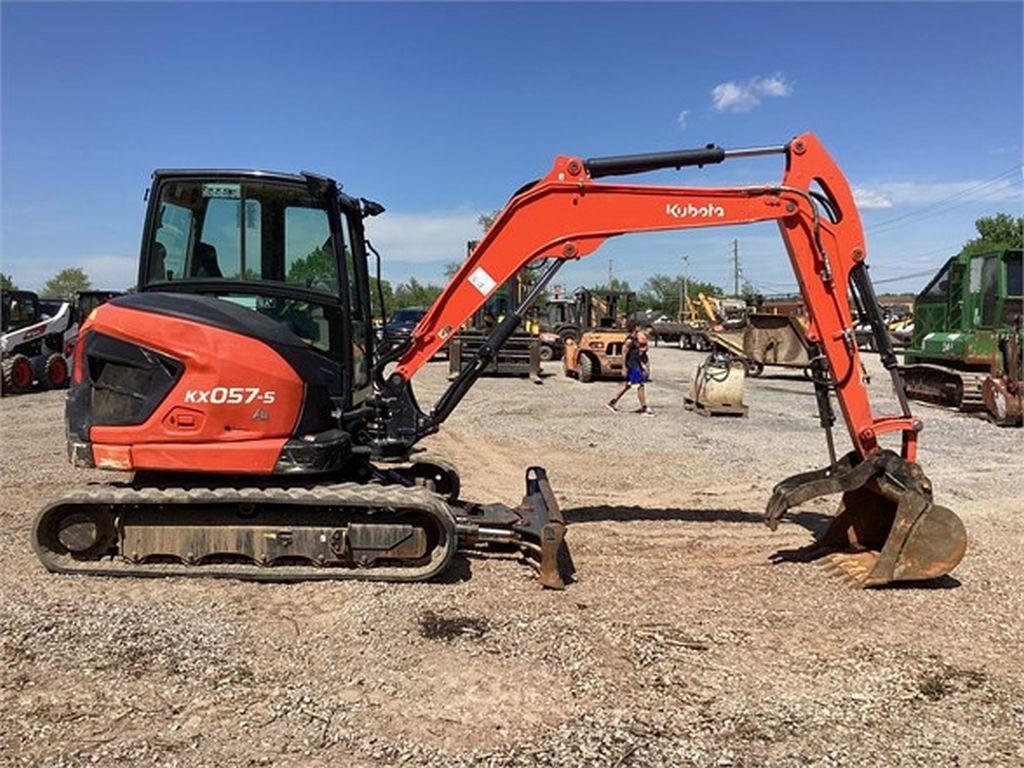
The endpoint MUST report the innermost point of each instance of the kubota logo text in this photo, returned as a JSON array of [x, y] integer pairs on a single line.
[[230, 395], [691, 211]]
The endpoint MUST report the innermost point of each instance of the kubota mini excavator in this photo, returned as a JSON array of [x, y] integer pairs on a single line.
[[240, 385]]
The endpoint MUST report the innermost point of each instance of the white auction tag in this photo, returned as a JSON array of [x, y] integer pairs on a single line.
[[482, 281]]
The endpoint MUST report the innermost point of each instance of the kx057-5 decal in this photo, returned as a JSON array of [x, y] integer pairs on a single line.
[[230, 395]]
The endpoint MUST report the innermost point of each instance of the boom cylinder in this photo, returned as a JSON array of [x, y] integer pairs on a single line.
[[622, 165]]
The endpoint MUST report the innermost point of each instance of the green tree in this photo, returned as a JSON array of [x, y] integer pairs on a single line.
[[317, 269], [451, 268], [65, 283], [389, 297], [7, 283], [750, 294], [661, 292], [616, 284], [486, 220], [996, 233], [413, 293]]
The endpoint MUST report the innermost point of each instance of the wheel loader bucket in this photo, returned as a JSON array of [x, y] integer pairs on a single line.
[[887, 528]]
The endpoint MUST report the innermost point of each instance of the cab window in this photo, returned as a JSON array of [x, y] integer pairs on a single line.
[[938, 288], [248, 231], [990, 291], [258, 232], [359, 317], [308, 252], [219, 250], [171, 245]]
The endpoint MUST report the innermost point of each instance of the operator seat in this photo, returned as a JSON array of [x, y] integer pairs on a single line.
[[206, 261]]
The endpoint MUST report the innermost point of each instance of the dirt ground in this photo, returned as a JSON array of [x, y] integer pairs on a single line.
[[681, 644]]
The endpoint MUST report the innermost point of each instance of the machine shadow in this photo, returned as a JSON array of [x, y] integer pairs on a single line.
[[815, 522], [777, 375], [460, 570]]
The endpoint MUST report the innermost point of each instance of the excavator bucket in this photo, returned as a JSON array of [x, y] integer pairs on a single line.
[[887, 528]]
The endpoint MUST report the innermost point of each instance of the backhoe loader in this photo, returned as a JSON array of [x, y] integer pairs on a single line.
[[239, 383]]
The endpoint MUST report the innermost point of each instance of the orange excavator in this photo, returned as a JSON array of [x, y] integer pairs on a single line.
[[268, 441]]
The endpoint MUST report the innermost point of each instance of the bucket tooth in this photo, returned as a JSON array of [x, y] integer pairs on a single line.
[[887, 528]]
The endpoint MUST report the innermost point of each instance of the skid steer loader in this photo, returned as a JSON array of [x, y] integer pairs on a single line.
[[31, 344]]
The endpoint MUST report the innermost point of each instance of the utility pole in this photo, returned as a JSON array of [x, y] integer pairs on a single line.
[[610, 278], [684, 288], [735, 267]]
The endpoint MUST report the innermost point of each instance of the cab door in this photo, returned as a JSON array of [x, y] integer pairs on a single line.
[[357, 299]]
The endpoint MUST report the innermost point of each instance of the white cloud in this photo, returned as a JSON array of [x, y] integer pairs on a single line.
[[106, 271], [439, 236], [682, 118], [870, 198], [111, 272], [773, 85], [411, 243], [732, 96], [910, 193]]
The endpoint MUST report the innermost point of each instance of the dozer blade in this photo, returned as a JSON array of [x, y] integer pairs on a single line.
[[536, 528], [887, 528]]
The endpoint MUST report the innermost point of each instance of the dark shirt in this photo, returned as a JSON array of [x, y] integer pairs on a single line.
[[632, 351]]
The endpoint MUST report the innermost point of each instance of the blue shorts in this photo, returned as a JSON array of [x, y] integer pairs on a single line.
[[635, 374]]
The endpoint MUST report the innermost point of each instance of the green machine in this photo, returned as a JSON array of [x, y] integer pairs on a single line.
[[965, 350]]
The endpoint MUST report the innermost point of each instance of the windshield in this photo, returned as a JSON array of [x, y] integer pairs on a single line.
[[1013, 276], [242, 231], [19, 310], [408, 315]]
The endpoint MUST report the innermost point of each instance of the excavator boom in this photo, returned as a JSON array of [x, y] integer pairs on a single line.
[[568, 214]]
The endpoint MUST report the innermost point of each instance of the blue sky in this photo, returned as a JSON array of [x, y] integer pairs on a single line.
[[441, 111]]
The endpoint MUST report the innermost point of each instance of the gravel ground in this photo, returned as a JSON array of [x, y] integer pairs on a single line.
[[682, 643]]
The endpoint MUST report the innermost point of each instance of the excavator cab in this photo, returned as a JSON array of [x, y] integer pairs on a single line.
[[264, 273], [289, 248]]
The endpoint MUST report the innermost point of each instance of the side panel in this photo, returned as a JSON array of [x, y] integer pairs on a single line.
[[236, 395]]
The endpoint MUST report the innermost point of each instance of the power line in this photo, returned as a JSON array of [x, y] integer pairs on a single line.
[[943, 205], [736, 267], [975, 200], [908, 276], [950, 198]]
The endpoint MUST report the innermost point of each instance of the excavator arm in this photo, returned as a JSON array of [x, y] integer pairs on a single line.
[[568, 214]]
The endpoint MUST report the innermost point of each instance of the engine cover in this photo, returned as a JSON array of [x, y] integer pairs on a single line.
[[188, 383]]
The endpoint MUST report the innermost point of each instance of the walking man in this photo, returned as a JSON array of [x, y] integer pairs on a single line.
[[633, 367]]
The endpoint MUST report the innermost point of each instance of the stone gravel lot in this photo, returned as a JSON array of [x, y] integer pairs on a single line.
[[682, 643]]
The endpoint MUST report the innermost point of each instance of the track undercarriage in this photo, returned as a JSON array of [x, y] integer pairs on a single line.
[[365, 531], [949, 387]]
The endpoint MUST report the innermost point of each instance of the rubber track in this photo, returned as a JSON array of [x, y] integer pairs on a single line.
[[352, 495]]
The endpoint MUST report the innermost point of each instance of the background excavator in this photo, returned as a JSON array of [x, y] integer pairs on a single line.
[[269, 442]]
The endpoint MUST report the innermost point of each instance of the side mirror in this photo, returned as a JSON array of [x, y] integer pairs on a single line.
[[370, 208]]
